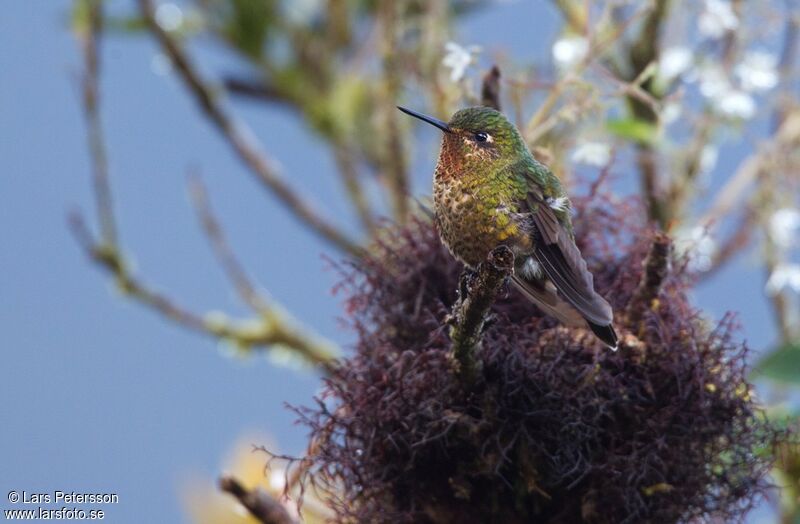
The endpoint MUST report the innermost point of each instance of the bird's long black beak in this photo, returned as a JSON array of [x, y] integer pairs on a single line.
[[425, 118]]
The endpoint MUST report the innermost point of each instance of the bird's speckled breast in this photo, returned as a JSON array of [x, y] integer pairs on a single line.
[[475, 214]]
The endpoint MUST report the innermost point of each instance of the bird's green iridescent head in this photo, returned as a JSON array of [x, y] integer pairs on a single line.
[[477, 133]]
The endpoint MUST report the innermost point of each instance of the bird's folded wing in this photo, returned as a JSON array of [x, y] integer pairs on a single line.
[[561, 260]]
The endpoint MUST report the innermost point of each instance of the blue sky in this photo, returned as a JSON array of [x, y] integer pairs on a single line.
[[99, 394]]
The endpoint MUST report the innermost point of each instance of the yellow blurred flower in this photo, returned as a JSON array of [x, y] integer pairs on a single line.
[[206, 504]]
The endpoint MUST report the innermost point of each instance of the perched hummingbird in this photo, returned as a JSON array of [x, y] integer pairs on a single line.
[[488, 191]]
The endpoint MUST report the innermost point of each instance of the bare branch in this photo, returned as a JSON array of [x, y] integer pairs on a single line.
[[90, 43], [650, 182], [348, 170], [788, 62], [271, 327], [490, 89], [642, 54], [343, 152], [786, 137], [574, 13], [599, 44], [255, 89], [241, 139], [261, 505], [277, 328], [656, 265], [225, 255], [394, 158], [471, 310], [684, 182], [109, 258], [632, 88], [736, 241]]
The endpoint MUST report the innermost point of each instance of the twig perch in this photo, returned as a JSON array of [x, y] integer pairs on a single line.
[[260, 504], [471, 310], [656, 266]]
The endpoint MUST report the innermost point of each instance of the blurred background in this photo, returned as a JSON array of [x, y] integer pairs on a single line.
[[268, 129]]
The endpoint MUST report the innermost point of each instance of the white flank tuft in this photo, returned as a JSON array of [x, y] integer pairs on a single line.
[[531, 269], [558, 204]]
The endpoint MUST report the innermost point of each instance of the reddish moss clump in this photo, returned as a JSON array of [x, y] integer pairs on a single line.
[[556, 428]]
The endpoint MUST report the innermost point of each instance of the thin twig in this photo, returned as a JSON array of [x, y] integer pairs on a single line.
[[255, 89], [258, 503], [597, 48], [643, 53], [90, 42], [225, 255], [772, 258], [787, 62], [348, 169], [736, 241], [650, 182], [241, 138], [490, 88], [685, 182], [109, 258], [470, 311], [781, 114], [632, 88], [272, 326], [574, 13], [275, 324], [343, 151], [394, 158], [786, 137]]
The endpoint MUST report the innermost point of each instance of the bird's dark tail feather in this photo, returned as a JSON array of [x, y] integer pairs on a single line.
[[605, 333]]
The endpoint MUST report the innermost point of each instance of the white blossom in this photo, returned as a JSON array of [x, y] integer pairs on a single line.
[[169, 16], [784, 276], [708, 158], [717, 18], [671, 112], [569, 50], [277, 479], [737, 104], [457, 59], [698, 246], [592, 154], [757, 71], [713, 81], [725, 98], [302, 12], [674, 62], [784, 226]]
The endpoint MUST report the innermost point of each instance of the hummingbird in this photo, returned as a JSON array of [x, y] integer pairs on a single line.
[[488, 191]]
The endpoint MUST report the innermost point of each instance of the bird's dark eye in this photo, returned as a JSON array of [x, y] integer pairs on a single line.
[[480, 136]]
